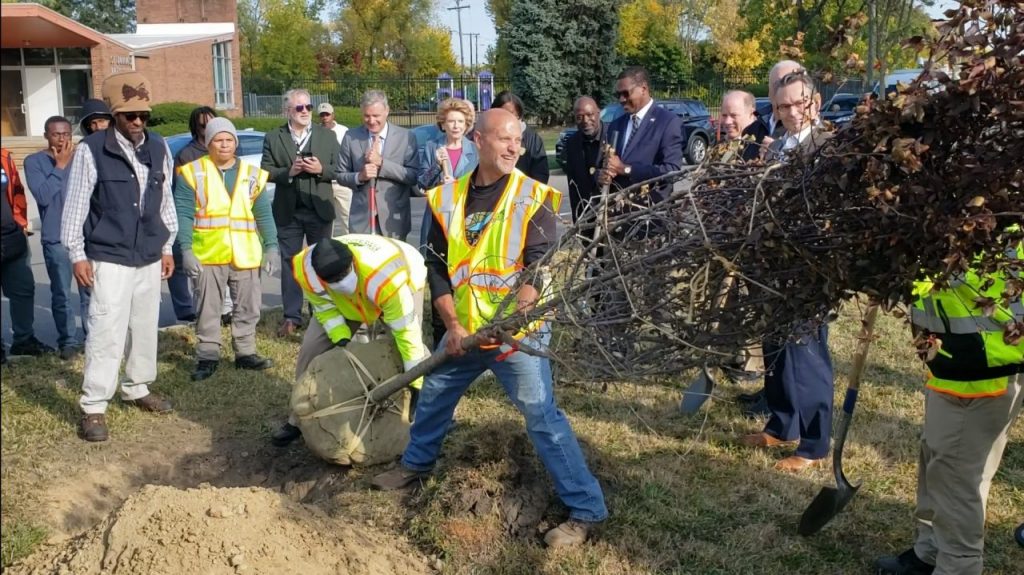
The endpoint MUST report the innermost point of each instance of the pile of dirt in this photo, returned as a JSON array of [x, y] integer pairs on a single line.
[[219, 531]]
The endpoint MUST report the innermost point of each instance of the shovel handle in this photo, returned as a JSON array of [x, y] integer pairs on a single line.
[[860, 357], [387, 388]]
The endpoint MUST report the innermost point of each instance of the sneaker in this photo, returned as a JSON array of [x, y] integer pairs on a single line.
[[253, 362], [69, 352], [906, 563], [93, 427], [568, 534], [152, 403], [205, 368], [397, 478], [285, 435], [31, 346]]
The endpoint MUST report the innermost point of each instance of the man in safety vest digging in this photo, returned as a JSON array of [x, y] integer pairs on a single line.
[[487, 226], [227, 235], [353, 281]]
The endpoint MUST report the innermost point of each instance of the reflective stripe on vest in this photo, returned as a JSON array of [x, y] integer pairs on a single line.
[[483, 275], [225, 230], [969, 389]]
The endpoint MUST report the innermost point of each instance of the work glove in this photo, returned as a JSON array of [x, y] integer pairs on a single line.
[[191, 264], [272, 262], [342, 342]]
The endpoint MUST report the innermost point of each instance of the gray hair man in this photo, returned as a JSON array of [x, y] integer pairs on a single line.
[[378, 161], [301, 158]]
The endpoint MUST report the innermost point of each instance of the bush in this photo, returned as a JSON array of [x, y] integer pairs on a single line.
[[170, 129], [169, 125], [171, 112]]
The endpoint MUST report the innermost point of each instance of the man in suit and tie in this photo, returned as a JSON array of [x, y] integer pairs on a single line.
[[301, 158], [583, 155], [767, 130], [650, 138], [379, 157]]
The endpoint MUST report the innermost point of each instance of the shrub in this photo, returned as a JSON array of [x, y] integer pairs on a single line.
[[171, 112]]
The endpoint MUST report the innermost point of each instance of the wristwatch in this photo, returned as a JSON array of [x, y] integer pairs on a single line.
[[627, 170]]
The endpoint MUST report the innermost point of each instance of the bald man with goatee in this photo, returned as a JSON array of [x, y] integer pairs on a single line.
[[583, 154], [476, 222]]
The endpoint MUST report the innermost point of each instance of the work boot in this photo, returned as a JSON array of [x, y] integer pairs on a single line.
[[906, 563], [152, 403], [205, 369], [93, 427], [397, 478], [568, 534], [286, 434], [254, 362], [31, 346], [68, 352]]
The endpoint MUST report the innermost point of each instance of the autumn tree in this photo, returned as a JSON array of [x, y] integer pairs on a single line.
[[278, 39], [107, 16], [393, 36]]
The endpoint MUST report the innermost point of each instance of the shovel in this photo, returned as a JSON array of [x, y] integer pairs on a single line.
[[830, 501], [700, 388]]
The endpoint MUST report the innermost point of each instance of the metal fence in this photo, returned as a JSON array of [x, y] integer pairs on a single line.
[[413, 101]]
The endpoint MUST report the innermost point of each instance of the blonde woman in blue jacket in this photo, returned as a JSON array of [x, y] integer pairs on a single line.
[[452, 154]]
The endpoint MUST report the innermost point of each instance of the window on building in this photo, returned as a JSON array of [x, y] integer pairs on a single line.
[[223, 86]]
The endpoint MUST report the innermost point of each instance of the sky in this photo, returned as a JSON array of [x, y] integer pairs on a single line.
[[476, 20]]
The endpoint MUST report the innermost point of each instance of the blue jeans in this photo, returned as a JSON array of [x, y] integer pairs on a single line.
[[58, 268], [17, 283], [527, 382], [180, 287]]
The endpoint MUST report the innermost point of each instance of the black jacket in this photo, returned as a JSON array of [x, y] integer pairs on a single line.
[[534, 163], [279, 152], [580, 156]]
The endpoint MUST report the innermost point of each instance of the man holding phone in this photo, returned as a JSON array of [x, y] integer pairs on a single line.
[[301, 158]]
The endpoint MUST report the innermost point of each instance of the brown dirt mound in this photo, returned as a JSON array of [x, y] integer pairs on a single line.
[[219, 531]]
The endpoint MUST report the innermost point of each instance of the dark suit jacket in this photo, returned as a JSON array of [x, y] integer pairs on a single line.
[[758, 129], [654, 150], [279, 152], [534, 163], [582, 183]]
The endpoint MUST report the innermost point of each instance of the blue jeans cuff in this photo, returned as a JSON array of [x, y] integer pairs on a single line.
[[417, 468], [587, 518]]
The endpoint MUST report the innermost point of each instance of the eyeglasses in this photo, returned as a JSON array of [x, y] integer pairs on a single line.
[[132, 116], [306, 107]]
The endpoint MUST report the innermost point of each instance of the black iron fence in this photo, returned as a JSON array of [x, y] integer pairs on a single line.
[[414, 100]]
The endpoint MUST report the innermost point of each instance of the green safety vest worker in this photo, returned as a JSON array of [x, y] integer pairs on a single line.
[[483, 275], [973, 359], [390, 275], [225, 228]]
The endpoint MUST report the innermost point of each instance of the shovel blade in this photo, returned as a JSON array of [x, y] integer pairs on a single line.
[[699, 391], [829, 502]]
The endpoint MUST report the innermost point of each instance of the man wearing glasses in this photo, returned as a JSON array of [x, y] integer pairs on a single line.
[[118, 224], [301, 158], [45, 172]]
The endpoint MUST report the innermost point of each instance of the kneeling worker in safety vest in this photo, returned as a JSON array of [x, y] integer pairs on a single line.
[[973, 398], [352, 281], [487, 226], [227, 234]]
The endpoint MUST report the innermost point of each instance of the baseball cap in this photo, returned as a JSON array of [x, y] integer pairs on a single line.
[[325, 108]]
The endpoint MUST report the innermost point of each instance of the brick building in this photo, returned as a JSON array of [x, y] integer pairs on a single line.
[[50, 64]]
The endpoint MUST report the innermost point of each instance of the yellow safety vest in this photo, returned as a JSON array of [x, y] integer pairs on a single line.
[[484, 274], [973, 359], [391, 273], [225, 228]]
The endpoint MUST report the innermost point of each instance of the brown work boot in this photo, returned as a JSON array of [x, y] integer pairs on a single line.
[[763, 439], [287, 329], [568, 534], [93, 427], [397, 478], [152, 403]]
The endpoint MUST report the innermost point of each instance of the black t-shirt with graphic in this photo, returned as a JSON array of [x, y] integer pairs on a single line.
[[480, 203]]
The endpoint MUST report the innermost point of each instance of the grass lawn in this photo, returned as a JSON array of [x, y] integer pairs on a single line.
[[684, 496]]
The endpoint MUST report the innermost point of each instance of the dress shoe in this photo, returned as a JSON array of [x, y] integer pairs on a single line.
[[254, 362], [152, 403], [287, 329], [763, 439], [796, 464], [31, 346], [93, 427], [568, 534], [205, 369], [285, 435], [757, 409], [906, 563], [397, 478]]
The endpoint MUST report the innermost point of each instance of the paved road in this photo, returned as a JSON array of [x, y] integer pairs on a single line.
[[47, 333]]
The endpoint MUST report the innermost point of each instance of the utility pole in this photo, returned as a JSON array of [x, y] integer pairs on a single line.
[[872, 42], [474, 53], [459, 7]]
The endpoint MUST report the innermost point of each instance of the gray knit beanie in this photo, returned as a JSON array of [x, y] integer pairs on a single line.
[[218, 125]]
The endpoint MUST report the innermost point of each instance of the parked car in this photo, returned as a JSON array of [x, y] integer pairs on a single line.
[[840, 108], [609, 114], [250, 148], [763, 106], [697, 129]]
